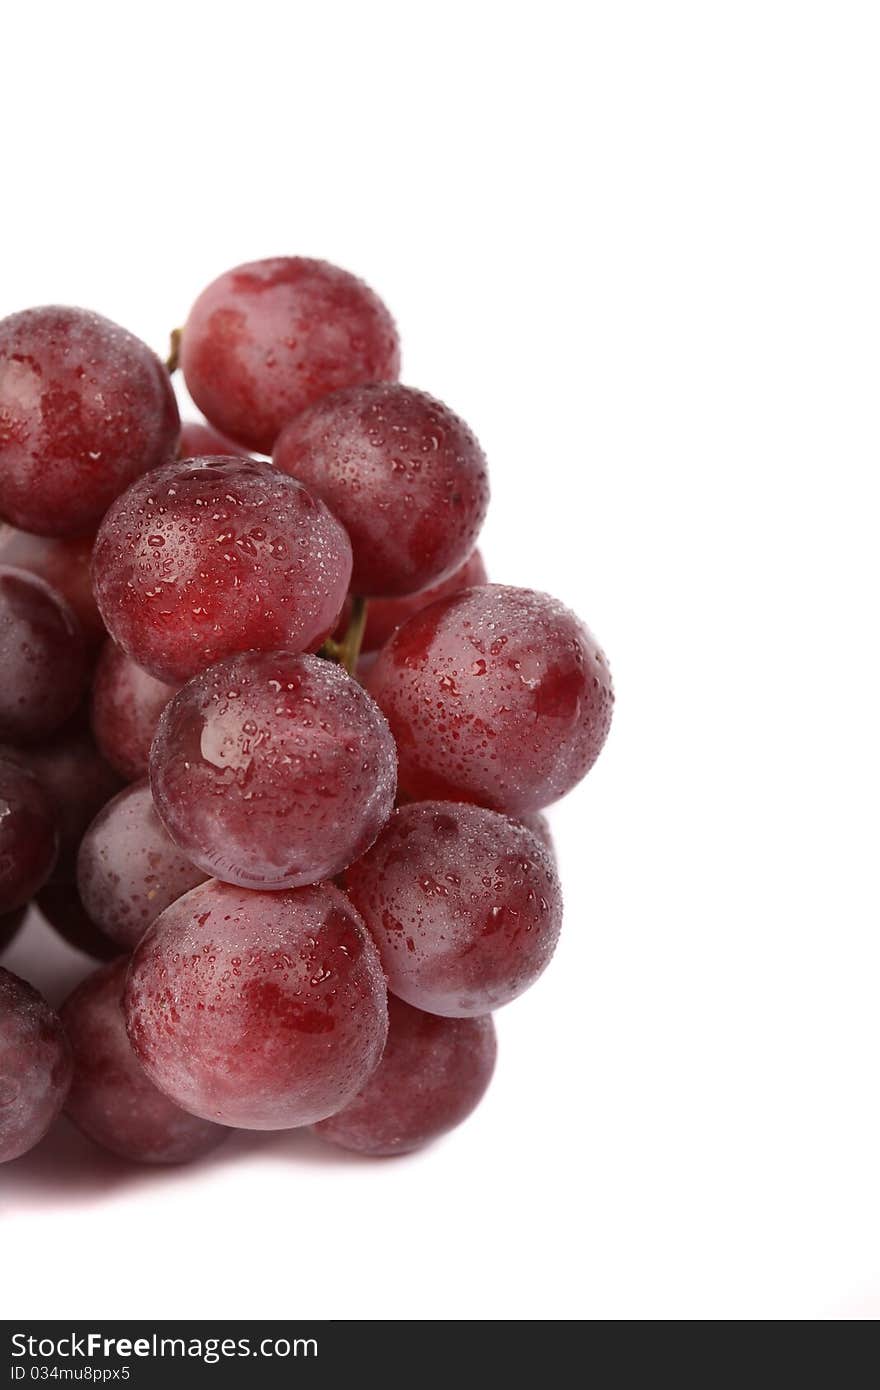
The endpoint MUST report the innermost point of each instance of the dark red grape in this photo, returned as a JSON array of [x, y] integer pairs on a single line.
[[9, 925], [404, 475], [126, 705], [433, 1073], [60, 906], [111, 1098], [35, 1066], [495, 695], [271, 770], [258, 1010], [464, 904], [266, 339], [201, 441], [213, 556], [129, 869], [66, 567], [85, 408], [386, 614], [28, 836], [42, 657], [77, 780]]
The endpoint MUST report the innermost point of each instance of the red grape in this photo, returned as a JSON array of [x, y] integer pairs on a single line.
[[540, 827], [129, 869], [35, 1066], [111, 1098], [403, 474], [386, 614], [271, 770], [126, 705], [495, 695], [65, 565], [266, 339], [42, 657], [258, 1010], [85, 408], [463, 903], [433, 1073], [78, 782], [28, 836], [9, 925], [213, 556], [60, 906], [201, 441]]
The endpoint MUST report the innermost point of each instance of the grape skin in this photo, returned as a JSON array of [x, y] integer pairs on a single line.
[[35, 1066], [386, 614], [266, 339], [434, 1072], [42, 657], [77, 781], [272, 771], [126, 705], [28, 836], [85, 408], [216, 555], [495, 695], [258, 1010], [463, 903], [111, 1099], [129, 869], [404, 475], [65, 565], [201, 441]]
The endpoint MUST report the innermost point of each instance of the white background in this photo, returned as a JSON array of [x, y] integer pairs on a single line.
[[637, 246]]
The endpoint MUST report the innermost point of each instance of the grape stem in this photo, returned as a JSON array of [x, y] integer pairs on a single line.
[[172, 361], [347, 651]]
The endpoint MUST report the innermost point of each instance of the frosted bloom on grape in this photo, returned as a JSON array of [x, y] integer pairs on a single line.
[[404, 475], [35, 1066], [434, 1072], [258, 1010], [111, 1099], [216, 555], [271, 770], [129, 869], [464, 904], [126, 704], [267, 338], [495, 695], [85, 408]]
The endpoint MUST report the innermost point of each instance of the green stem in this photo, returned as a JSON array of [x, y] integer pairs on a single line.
[[347, 651]]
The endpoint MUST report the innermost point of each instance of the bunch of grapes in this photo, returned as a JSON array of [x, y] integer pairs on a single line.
[[272, 749]]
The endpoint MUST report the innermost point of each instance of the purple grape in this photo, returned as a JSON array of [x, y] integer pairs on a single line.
[[129, 869], [212, 556], [273, 771], [404, 475], [126, 705], [85, 408], [495, 695], [111, 1098], [433, 1073], [464, 905], [35, 1066], [258, 1010]]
